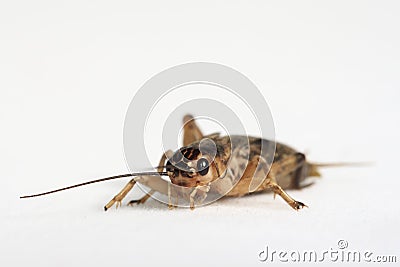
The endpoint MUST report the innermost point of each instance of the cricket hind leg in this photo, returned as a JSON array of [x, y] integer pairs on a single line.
[[291, 171], [285, 196], [289, 164], [296, 173], [302, 171], [191, 132]]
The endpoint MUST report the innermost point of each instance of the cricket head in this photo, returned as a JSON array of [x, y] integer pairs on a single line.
[[197, 164]]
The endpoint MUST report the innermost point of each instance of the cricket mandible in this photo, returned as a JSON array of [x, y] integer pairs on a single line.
[[196, 169]]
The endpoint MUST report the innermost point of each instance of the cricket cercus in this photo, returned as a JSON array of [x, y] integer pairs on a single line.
[[227, 170]]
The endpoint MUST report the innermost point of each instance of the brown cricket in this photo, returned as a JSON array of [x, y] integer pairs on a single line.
[[205, 171]]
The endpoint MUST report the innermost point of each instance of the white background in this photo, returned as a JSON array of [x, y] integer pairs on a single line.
[[69, 69]]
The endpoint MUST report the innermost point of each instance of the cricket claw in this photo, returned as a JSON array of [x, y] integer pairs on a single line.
[[111, 203], [298, 205], [120, 196], [135, 201], [132, 202]]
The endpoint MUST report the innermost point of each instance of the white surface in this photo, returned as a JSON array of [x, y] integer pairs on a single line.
[[330, 72]]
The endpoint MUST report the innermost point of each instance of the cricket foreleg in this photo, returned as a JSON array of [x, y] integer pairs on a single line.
[[172, 193], [191, 197], [198, 195], [143, 199], [118, 197]]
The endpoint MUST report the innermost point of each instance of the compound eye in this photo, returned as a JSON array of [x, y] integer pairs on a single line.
[[202, 166]]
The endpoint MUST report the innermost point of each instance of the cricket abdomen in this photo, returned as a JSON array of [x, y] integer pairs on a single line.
[[288, 177]]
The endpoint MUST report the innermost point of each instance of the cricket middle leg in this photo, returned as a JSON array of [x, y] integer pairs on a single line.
[[143, 199]]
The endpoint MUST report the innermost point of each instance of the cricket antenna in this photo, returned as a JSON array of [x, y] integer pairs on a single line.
[[97, 181]]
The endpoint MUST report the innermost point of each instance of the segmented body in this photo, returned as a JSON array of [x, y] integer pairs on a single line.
[[249, 158]]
